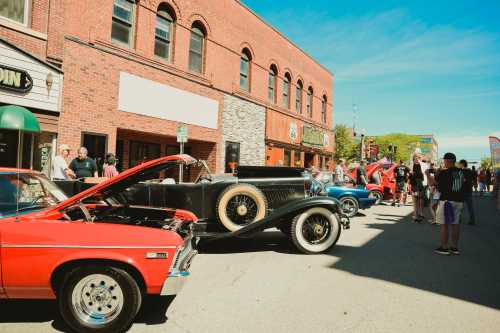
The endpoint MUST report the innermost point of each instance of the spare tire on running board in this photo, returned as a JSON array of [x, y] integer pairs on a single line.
[[240, 205]]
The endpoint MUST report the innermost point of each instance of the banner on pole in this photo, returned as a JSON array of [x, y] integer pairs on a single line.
[[495, 151]]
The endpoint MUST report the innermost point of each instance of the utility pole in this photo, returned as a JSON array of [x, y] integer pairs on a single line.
[[354, 117], [362, 144]]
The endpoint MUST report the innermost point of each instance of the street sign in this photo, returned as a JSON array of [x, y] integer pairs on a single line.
[[182, 134]]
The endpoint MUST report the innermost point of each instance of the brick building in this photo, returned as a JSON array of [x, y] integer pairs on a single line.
[[133, 71]]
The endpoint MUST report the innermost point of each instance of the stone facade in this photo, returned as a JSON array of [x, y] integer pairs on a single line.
[[244, 122]]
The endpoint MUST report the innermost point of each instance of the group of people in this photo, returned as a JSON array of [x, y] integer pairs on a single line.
[[483, 180], [445, 192], [81, 166]]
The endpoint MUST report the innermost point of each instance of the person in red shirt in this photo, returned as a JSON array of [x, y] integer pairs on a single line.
[[109, 169]]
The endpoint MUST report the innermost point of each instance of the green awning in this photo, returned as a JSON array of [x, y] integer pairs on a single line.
[[18, 118]]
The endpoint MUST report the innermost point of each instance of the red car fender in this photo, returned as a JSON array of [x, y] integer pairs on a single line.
[[185, 215], [32, 251]]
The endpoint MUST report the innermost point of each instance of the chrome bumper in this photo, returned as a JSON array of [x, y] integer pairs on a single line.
[[179, 272]]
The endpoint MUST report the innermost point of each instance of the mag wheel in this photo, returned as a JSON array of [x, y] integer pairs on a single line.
[[239, 205], [315, 230], [99, 299], [377, 195], [349, 206]]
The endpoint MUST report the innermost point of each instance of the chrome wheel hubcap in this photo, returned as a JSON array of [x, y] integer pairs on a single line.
[[242, 210], [97, 299]]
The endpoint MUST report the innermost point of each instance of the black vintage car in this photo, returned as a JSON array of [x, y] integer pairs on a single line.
[[251, 200]]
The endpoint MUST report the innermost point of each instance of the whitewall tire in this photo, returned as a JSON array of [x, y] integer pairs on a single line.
[[315, 230]]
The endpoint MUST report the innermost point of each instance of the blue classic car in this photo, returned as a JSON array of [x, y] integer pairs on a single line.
[[352, 198]]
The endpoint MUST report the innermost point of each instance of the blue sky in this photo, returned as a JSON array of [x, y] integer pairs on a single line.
[[410, 66]]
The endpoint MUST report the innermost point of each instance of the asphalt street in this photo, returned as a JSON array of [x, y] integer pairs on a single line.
[[381, 277]]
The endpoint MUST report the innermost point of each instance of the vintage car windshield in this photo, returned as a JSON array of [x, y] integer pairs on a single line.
[[25, 192]]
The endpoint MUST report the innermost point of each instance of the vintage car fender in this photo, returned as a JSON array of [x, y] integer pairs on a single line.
[[283, 215]]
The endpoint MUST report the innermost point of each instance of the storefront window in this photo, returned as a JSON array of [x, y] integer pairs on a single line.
[[142, 151], [15, 10], [36, 150], [298, 161], [288, 158]]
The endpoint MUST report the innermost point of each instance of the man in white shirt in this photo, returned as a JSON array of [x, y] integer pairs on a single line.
[[339, 172], [60, 170]]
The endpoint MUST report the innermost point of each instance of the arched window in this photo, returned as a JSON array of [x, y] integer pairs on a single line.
[[309, 102], [245, 63], [197, 47], [273, 74], [286, 90], [163, 32], [298, 96], [323, 108], [122, 28]]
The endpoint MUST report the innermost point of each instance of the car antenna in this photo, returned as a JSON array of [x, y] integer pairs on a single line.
[[18, 174]]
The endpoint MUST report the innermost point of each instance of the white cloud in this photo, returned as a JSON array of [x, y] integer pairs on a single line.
[[465, 141]]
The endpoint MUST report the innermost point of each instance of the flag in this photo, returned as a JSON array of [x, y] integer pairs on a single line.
[[495, 151]]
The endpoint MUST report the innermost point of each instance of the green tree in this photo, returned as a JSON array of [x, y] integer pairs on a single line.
[[486, 163], [405, 145], [345, 147]]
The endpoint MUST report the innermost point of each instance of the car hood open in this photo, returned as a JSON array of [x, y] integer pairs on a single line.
[[126, 179]]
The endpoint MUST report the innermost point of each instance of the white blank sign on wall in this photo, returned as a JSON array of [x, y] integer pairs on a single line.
[[153, 99]]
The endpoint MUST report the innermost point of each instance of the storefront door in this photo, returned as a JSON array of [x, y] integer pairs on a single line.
[[96, 145], [308, 159], [232, 156], [8, 148]]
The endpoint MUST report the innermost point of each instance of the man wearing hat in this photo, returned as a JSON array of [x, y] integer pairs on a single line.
[[60, 170], [450, 184]]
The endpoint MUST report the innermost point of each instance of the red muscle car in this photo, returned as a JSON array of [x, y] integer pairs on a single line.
[[93, 252], [387, 187]]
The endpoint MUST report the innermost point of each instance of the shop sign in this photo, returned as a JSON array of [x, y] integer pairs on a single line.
[[182, 134], [294, 132], [15, 79], [326, 140], [312, 137]]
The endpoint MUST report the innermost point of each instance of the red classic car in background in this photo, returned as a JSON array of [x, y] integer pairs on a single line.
[[387, 187], [94, 253]]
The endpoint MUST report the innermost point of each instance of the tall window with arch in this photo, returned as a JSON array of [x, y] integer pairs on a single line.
[[298, 96], [324, 105], [122, 28], [286, 90], [309, 102], [197, 47], [163, 32], [245, 63], [273, 74]]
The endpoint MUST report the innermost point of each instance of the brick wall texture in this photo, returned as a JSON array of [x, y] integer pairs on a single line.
[[77, 36]]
